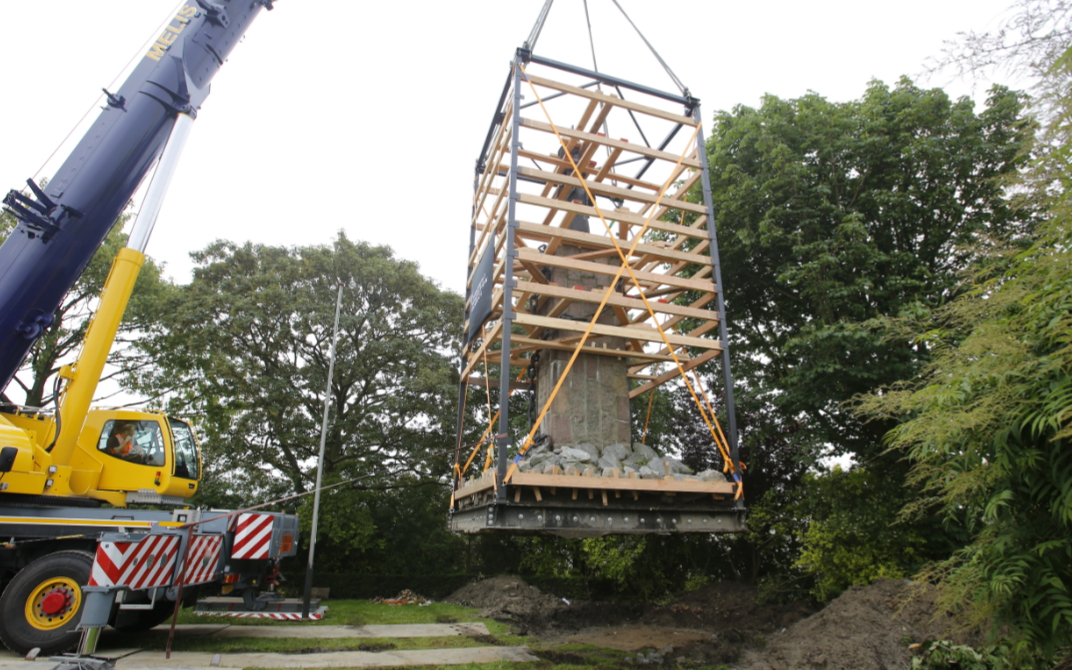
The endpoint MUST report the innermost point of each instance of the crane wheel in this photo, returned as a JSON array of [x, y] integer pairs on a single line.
[[43, 603]]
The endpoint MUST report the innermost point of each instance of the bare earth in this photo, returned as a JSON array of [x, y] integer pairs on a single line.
[[866, 628]]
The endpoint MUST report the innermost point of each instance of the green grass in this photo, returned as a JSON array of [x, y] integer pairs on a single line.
[[567, 656], [355, 613], [236, 645]]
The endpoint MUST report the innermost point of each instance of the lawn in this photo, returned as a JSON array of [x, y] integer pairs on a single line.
[[365, 612], [360, 613]]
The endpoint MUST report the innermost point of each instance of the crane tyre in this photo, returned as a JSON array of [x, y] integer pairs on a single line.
[[42, 604]]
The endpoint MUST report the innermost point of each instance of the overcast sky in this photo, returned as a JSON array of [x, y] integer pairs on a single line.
[[367, 116]]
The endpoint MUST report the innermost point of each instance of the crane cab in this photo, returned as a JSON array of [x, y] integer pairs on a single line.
[[144, 456], [121, 457]]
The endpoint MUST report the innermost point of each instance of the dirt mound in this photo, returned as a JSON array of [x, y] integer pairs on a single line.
[[533, 611], [507, 598], [866, 628]]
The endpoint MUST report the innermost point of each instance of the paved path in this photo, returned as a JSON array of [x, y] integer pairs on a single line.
[[136, 659], [341, 659]]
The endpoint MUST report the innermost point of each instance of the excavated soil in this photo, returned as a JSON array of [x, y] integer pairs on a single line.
[[866, 628], [530, 610]]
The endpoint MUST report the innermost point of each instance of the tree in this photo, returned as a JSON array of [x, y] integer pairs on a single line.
[[988, 423], [833, 219], [60, 341], [835, 215], [244, 348], [989, 428]]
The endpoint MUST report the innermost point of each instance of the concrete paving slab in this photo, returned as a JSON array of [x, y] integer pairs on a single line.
[[342, 659]]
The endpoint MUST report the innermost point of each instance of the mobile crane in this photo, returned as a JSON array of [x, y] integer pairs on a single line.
[[75, 556]]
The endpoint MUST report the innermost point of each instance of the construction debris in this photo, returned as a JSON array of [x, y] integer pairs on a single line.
[[406, 597]]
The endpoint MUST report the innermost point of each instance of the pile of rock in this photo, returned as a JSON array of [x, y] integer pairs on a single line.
[[615, 460]]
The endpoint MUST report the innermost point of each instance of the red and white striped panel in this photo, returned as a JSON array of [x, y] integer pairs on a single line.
[[201, 559], [136, 565], [253, 536], [278, 616]]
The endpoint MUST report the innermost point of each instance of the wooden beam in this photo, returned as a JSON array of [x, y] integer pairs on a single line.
[[611, 215], [672, 373], [628, 333], [620, 484], [594, 171], [543, 233], [616, 299], [604, 189], [606, 269], [628, 147], [482, 382], [532, 344]]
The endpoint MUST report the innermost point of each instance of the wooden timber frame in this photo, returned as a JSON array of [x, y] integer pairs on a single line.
[[527, 202]]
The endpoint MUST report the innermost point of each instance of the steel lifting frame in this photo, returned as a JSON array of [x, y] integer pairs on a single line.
[[517, 327]]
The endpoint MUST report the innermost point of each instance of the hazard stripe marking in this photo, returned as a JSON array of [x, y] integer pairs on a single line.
[[253, 538], [136, 565], [279, 616]]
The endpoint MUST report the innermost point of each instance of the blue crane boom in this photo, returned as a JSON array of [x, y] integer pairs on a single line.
[[61, 226]]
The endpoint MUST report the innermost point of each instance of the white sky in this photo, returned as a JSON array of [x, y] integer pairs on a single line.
[[368, 117]]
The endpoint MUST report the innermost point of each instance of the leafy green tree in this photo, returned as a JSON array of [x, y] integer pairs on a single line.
[[835, 218], [987, 423], [989, 429], [60, 341], [833, 215], [245, 348]]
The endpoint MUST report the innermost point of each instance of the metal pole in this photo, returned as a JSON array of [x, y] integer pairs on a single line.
[[320, 461], [502, 440], [463, 383], [727, 374]]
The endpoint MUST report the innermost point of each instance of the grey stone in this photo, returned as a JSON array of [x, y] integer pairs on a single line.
[[679, 468], [712, 476], [608, 472], [549, 468], [627, 470], [575, 455], [645, 470], [540, 458], [607, 461], [643, 452], [571, 469], [591, 449], [619, 451]]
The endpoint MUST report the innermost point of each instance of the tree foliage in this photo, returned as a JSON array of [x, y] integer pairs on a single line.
[[988, 423], [835, 214], [245, 348], [989, 428], [60, 341]]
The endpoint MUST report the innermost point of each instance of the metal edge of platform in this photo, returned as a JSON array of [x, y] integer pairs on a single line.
[[588, 521]]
